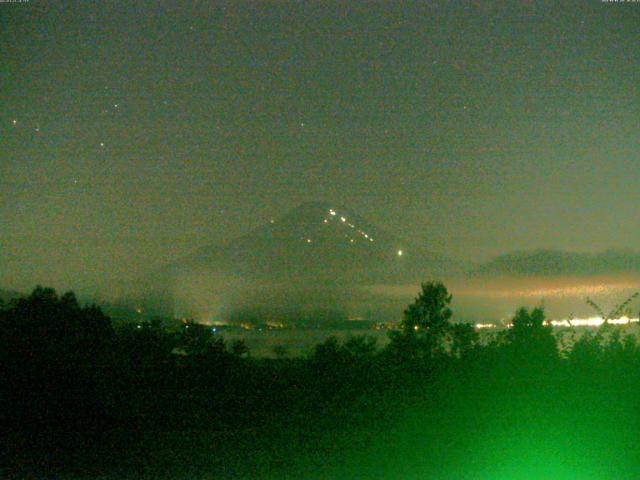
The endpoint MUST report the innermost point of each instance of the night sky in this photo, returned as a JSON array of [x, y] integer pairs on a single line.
[[133, 133]]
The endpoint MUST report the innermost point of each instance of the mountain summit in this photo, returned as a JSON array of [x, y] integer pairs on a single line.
[[313, 257], [320, 241]]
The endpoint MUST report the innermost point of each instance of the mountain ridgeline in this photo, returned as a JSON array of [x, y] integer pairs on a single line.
[[319, 242], [555, 263]]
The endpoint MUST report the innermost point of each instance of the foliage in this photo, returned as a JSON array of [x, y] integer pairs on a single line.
[[617, 311], [120, 391], [280, 351], [465, 340], [56, 361], [425, 324], [530, 336], [429, 314], [239, 348]]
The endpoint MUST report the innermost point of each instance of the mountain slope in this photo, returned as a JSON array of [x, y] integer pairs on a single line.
[[318, 241], [316, 257]]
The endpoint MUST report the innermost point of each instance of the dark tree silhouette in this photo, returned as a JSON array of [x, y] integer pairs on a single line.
[[73, 391], [280, 351], [425, 324], [530, 336], [328, 352], [239, 348], [195, 338], [57, 369], [464, 339], [360, 347], [430, 312]]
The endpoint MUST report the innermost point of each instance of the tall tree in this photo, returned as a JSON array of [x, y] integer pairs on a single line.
[[425, 324]]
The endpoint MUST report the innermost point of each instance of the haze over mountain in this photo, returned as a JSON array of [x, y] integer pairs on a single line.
[[316, 256], [319, 241], [327, 261], [324, 261]]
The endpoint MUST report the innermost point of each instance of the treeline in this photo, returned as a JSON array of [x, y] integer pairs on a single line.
[[82, 398]]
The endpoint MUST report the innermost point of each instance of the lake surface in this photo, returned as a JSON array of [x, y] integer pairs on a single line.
[[299, 342]]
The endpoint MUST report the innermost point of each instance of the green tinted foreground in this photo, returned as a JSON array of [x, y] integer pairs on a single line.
[[81, 400], [500, 424]]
